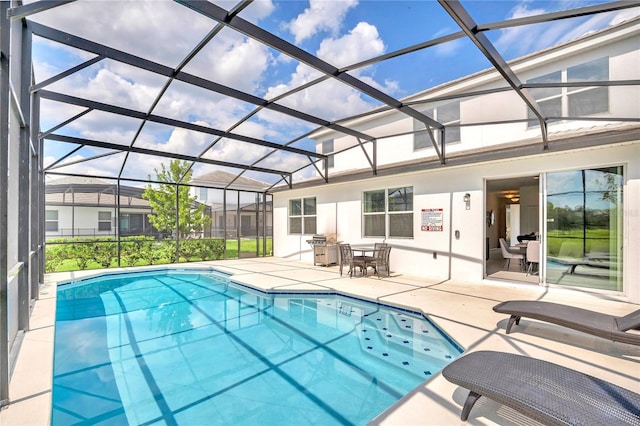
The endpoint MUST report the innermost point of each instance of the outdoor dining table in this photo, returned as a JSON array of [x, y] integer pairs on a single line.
[[362, 250], [365, 254]]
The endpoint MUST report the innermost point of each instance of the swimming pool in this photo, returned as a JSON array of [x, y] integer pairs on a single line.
[[190, 348]]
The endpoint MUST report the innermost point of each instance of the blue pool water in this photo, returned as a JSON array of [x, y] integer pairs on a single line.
[[190, 348]]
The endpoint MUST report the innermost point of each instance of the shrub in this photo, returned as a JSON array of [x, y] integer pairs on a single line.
[[136, 249], [103, 253], [55, 255]]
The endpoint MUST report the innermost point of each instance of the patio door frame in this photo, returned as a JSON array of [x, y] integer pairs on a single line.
[[541, 226]]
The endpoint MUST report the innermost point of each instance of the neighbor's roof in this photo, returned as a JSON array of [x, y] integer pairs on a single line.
[[222, 179]]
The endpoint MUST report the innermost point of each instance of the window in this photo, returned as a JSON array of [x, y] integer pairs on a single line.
[[51, 220], [374, 214], [203, 195], [132, 224], [104, 221], [447, 114], [388, 213], [588, 100], [124, 223], [572, 101], [327, 148], [549, 99], [302, 216]]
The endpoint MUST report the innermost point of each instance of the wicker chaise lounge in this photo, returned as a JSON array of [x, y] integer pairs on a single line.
[[615, 328], [546, 392]]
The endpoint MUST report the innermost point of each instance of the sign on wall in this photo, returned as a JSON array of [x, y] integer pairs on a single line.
[[432, 220]]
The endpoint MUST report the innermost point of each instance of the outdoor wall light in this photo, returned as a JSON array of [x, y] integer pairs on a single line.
[[467, 200]]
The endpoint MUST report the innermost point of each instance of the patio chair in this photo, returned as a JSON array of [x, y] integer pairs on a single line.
[[377, 246], [508, 254], [607, 326], [380, 260], [533, 256], [347, 259], [546, 392]]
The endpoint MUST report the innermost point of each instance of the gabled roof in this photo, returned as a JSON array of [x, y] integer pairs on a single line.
[[88, 191], [222, 179]]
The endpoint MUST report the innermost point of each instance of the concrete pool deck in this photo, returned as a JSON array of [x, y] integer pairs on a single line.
[[463, 310]]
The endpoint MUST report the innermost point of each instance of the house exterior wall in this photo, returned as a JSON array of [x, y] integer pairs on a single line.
[[440, 255], [393, 130], [84, 220], [458, 252]]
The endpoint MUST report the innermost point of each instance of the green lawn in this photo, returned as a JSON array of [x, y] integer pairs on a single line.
[[596, 240], [87, 254]]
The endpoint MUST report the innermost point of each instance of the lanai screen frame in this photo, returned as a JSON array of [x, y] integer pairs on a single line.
[[20, 118]]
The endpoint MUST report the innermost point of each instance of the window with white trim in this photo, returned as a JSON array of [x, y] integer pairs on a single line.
[[302, 215], [51, 220], [327, 148], [447, 114], [583, 101], [104, 221], [572, 101], [204, 192], [388, 213]]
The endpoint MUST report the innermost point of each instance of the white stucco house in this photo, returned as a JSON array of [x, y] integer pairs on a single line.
[[87, 207], [574, 184]]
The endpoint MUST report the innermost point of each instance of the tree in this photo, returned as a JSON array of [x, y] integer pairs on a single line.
[[191, 216]]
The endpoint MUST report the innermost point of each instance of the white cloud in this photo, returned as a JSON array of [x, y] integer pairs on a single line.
[[321, 15], [180, 141], [333, 99], [389, 86], [154, 30], [330, 99], [48, 160], [521, 40], [236, 152], [256, 11], [233, 60], [284, 161], [110, 87], [449, 49], [108, 166], [189, 103], [362, 42], [150, 29], [518, 38]]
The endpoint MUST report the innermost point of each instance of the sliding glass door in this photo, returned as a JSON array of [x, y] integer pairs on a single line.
[[584, 228]]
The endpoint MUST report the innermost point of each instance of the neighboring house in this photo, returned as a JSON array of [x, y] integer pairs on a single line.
[[499, 179], [230, 197], [86, 207]]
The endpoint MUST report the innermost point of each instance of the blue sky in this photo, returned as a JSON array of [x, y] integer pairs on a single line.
[[341, 33]]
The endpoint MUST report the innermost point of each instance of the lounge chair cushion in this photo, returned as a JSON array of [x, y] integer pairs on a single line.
[[546, 392]]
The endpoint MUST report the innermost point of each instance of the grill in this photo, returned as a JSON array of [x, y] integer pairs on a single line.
[[324, 253], [317, 240]]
